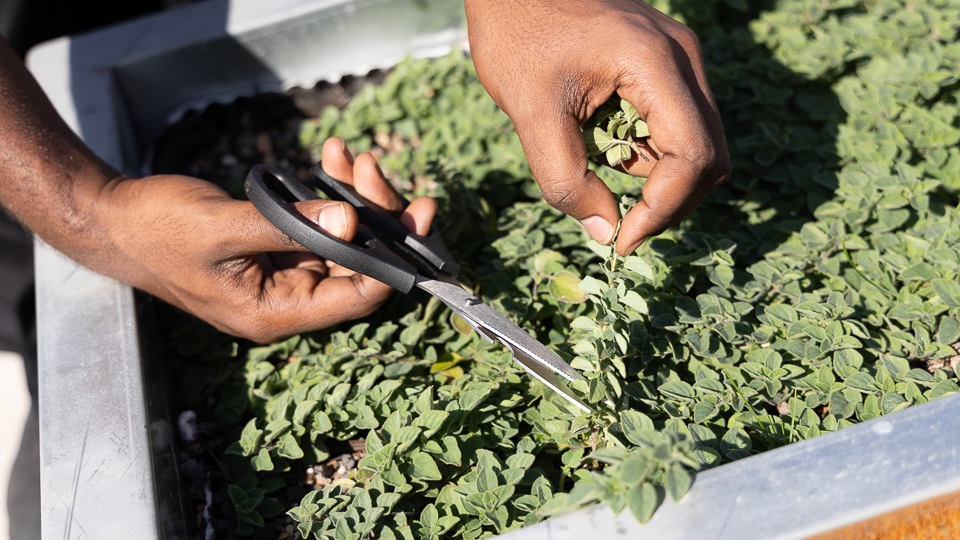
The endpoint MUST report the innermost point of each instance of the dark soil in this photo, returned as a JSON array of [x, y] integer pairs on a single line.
[[223, 142]]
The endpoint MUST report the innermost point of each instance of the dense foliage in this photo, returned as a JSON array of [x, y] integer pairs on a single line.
[[817, 289]]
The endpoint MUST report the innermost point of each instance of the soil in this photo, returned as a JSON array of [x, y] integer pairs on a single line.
[[224, 141]]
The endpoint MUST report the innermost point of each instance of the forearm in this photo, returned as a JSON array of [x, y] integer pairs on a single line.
[[49, 179]]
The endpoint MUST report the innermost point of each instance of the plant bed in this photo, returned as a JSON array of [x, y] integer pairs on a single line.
[[800, 160], [820, 292]]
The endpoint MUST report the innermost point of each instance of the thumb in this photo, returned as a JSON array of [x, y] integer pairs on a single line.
[[557, 156], [254, 234]]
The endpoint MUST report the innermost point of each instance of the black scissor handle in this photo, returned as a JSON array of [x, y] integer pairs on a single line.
[[428, 253], [366, 255]]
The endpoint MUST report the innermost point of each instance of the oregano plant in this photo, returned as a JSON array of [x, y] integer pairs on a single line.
[[816, 289]]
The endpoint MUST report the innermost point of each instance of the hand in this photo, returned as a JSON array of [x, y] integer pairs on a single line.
[[549, 65], [187, 242]]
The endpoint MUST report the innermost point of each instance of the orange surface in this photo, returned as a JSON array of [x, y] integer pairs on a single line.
[[933, 519]]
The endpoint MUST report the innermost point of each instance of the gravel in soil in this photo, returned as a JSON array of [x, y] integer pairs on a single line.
[[224, 141]]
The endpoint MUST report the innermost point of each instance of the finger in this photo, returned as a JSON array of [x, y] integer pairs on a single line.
[[297, 301], [337, 160], [298, 259], [690, 60], [554, 147], [680, 133], [369, 181], [643, 160], [419, 215], [246, 232]]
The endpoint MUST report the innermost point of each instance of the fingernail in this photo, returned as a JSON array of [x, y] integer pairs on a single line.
[[599, 229], [333, 219]]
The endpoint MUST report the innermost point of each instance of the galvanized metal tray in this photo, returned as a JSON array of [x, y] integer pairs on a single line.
[[107, 446]]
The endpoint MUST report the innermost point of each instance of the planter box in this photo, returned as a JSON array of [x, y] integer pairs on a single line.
[[107, 442]]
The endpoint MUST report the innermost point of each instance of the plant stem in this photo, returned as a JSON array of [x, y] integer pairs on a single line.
[[793, 418], [736, 387]]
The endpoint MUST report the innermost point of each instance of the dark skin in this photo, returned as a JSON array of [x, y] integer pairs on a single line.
[[187, 242], [183, 239], [550, 64]]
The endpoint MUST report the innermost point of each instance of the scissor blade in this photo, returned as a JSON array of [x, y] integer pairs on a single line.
[[482, 315], [538, 369], [535, 357], [548, 378]]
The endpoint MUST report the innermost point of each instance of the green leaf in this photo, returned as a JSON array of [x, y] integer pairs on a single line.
[[373, 443], [572, 458], [565, 288], [948, 332], [545, 257], [250, 438], [736, 444], [301, 411], [424, 468], [597, 141], [918, 272], [431, 421], [863, 382], [321, 423], [460, 325], [677, 481], [593, 286], [429, 516], [520, 461], [678, 390], [262, 461], [472, 398], [704, 410], [948, 291], [782, 314], [643, 500], [634, 468], [405, 437], [638, 265], [635, 301], [943, 388], [449, 451], [618, 154], [289, 447], [638, 428]]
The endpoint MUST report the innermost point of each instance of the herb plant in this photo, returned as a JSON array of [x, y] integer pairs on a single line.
[[817, 289], [613, 131]]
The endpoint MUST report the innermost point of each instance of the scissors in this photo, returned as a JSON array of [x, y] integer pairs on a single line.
[[386, 251]]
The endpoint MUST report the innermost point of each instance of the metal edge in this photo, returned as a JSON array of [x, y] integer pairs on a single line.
[[800, 490], [95, 469]]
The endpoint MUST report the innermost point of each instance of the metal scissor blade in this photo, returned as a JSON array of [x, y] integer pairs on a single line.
[[535, 357], [548, 378], [538, 369]]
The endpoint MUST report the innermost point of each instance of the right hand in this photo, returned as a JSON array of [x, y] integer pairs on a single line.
[[550, 64], [187, 242]]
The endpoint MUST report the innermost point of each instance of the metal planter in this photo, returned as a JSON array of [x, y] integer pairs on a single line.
[[107, 457]]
